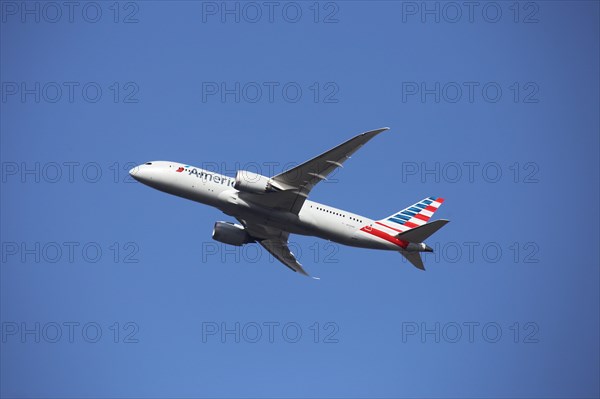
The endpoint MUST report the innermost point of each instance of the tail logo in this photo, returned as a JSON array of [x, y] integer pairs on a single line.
[[414, 216]]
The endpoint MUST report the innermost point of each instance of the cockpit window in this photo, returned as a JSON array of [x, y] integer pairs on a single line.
[[148, 163]]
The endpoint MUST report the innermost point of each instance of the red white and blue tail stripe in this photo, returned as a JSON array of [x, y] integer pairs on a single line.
[[414, 216]]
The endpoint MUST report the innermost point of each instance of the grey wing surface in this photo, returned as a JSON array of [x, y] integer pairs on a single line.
[[294, 184], [275, 241]]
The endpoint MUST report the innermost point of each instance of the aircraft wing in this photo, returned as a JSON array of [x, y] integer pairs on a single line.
[[297, 182], [280, 250], [276, 242]]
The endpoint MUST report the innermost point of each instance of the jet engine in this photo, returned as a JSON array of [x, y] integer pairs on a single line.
[[231, 233], [251, 182]]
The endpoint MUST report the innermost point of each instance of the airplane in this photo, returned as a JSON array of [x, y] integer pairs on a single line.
[[269, 209]]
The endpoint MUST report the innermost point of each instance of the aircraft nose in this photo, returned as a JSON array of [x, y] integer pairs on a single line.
[[133, 171]]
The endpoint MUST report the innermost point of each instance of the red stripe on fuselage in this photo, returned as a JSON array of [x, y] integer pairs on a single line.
[[385, 225], [386, 236]]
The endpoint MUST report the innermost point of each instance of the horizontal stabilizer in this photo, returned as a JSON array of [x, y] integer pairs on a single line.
[[420, 234]]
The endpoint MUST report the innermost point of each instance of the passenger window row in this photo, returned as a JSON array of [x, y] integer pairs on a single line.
[[336, 213]]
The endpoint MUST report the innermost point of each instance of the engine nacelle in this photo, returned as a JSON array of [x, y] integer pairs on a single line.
[[251, 182], [231, 233]]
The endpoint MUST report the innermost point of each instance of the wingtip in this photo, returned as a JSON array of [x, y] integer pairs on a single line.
[[304, 273], [382, 129], [375, 132]]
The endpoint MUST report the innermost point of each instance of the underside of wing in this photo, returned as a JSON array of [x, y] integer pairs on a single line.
[[280, 250], [297, 182], [275, 241]]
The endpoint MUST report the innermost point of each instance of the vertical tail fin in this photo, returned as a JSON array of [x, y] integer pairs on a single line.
[[414, 216], [414, 258]]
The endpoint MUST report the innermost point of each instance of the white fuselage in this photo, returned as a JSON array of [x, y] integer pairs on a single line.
[[210, 188]]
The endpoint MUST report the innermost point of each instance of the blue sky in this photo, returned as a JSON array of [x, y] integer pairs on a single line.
[[111, 289]]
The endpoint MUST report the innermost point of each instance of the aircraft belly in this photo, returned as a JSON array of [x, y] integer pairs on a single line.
[[305, 223]]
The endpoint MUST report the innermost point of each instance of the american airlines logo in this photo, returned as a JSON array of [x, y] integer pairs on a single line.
[[220, 179]]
